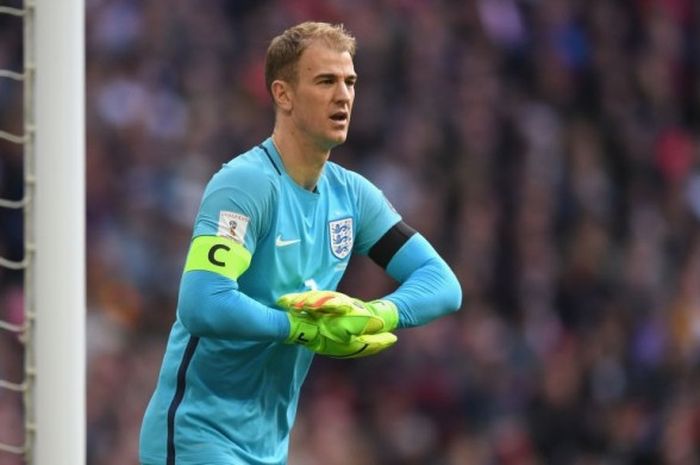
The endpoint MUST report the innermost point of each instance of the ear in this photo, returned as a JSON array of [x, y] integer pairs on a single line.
[[282, 94]]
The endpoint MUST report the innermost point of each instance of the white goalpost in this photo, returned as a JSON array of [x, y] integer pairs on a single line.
[[54, 224], [59, 228]]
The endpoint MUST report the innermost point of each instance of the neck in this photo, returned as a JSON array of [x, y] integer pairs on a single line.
[[302, 160]]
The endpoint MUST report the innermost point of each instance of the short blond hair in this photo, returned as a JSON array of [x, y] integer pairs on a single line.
[[285, 49]]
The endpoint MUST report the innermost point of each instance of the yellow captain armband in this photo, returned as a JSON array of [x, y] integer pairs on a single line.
[[218, 254]]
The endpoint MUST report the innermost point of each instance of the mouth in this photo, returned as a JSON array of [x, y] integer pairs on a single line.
[[340, 117]]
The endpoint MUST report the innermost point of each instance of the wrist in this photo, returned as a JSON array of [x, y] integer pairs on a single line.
[[387, 311], [300, 331]]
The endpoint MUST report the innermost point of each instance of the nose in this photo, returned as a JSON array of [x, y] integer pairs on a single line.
[[343, 92]]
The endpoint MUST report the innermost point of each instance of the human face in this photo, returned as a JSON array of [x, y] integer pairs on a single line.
[[323, 95]]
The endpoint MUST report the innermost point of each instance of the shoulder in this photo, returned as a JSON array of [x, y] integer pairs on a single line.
[[340, 175], [251, 172]]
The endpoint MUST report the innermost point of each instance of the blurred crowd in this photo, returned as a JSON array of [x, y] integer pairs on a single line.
[[550, 151]]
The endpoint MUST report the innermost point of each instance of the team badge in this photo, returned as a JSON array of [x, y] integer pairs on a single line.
[[232, 225], [341, 237]]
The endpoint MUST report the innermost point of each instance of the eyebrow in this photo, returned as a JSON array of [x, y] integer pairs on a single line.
[[334, 76]]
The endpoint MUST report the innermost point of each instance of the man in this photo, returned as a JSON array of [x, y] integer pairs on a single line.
[[272, 239]]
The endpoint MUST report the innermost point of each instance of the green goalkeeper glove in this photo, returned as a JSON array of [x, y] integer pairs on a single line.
[[339, 326], [306, 331], [325, 303]]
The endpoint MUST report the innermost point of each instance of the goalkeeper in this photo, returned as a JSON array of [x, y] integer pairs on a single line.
[[273, 236]]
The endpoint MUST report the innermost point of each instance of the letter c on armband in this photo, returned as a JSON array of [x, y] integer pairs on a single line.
[[212, 254], [219, 255]]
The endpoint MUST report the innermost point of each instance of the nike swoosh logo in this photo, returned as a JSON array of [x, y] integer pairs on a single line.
[[279, 242]]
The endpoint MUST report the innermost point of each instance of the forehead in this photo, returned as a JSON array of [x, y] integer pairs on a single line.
[[318, 58]]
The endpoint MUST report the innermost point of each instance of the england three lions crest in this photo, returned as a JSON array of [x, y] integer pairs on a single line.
[[341, 237]]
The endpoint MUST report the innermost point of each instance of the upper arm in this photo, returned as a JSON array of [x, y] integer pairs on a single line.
[[234, 214], [375, 215], [237, 204]]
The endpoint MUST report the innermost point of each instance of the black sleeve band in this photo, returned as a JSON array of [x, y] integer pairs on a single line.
[[384, 249]]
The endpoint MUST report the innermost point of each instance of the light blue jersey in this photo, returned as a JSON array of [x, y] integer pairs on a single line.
[[229, 386]]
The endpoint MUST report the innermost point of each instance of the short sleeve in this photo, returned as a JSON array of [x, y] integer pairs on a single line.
[[237, 203], [375, 214]]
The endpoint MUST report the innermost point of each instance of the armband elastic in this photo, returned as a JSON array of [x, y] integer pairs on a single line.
[[386, 247], [219, 255]]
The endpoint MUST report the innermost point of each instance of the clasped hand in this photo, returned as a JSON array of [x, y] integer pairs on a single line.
[[334, 324]]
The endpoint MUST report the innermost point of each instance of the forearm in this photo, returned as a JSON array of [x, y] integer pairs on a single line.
[[428, 290], [210, 305]]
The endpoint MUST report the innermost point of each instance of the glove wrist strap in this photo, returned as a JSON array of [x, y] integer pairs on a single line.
[[388, 312], [300, 331]]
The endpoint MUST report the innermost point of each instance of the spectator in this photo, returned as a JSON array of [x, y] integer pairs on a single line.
[[553, 156]]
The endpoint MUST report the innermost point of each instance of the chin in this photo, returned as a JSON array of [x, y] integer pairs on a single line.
[[334, 141]]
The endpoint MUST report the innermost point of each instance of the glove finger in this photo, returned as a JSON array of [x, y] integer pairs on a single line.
[[342, 328], [328, 303], [306, 301], [375, 325], [301, 302], [369, 344], [377, 342], [320, 303], [288, 301], [339, 304]]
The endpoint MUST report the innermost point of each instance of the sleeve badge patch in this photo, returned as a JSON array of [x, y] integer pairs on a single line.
[[233, 225]]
